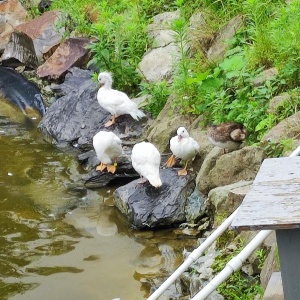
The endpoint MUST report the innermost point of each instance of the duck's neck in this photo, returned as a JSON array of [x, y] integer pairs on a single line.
[[107, 85]]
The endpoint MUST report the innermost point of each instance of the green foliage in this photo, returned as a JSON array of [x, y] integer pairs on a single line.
[[118, 31], [120, 42], [277, 149], [227, 93], [75, 15], [238, 286], [32, 9], [285, 34], [159, 95], [262, 256]]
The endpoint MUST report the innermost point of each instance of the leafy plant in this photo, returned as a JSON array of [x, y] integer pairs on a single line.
[[261, 255], [31, 8], [159, 95], [238, 286]]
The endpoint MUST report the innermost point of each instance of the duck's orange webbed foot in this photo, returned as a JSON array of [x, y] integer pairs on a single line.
[[171, 161], [101, 167]]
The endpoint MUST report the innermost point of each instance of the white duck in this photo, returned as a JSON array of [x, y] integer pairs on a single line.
[[108, 148], [115, 102], [182, 146], [145, 160]]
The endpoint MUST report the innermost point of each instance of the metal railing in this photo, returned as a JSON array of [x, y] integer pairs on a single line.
[[233, 265]]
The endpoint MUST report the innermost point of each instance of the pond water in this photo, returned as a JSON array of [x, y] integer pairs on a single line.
[[60, 240]]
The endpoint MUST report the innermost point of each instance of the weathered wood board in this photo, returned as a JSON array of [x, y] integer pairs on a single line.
[[273, 201]]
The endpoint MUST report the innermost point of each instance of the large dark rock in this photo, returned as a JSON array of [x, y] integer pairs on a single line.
[[21, 92], [149, 207], [77, 116], [19, 51], [96, 179]]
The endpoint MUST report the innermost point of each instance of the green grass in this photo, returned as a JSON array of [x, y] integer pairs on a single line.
[[238, 286]]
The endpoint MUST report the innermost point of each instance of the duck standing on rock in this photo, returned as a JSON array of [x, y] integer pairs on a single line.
[[145, 160], [115, 102], [108, 148], [228, 135], [182, 146]]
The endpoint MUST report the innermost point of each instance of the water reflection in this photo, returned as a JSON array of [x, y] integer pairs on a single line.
[[59, 240]]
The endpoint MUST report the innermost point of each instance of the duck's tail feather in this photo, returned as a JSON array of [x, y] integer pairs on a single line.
[[137, 114]]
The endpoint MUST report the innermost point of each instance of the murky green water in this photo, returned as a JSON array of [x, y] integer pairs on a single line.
[[59, 240]]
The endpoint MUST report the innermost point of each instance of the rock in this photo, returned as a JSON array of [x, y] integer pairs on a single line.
[[72, 81], [219, 46], [165, 126], [44, 33], [264, 76], [148, 207], [71, 53], [12, 14], [206, 274], [278, 101], [200, 35], [219, 170], [248, 269], [158, 64], [284, 130], [96, 179], [270, 266], [225, 199], [195, 206], [19, 51], [21, 92], [77, 116], [159, 30]]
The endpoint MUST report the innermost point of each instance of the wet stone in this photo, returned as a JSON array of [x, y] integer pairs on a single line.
[[77, 116], [149, 207], [96, 179]]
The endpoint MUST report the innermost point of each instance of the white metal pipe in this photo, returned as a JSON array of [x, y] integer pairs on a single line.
[[296, 152], [234, 264], [193, 256]]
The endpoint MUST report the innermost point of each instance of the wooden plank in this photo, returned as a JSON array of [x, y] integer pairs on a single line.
[[274, 289], [273, 201]]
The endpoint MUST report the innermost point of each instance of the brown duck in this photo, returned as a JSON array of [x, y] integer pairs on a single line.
[[229, 135]]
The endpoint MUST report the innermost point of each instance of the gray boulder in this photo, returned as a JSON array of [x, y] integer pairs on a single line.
[[148, 207], [77, 116], [286, 129], [225, 199], [220, 169], [219, 46]]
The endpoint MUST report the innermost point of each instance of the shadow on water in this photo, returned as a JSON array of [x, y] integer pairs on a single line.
[[59, 240]]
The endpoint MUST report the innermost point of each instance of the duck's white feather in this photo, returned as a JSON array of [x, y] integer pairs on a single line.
[[114, 101], [108, 146], [183, 146], [145, 160]]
